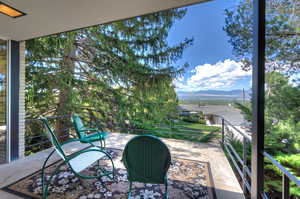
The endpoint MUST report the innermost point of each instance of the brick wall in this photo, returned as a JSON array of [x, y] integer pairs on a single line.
[[21, 112], [2, 147], [22, 102]]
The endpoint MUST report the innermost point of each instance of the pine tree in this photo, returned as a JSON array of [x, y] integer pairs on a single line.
[[282, 34], [120, 72]]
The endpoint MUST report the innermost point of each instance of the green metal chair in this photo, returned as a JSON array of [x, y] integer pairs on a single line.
[[77, 161], [95, 134], [147, 160]]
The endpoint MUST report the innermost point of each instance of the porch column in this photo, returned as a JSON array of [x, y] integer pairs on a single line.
[[17, 100], [258, 103]]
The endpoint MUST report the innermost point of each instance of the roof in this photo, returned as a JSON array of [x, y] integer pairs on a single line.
[[46, 17]]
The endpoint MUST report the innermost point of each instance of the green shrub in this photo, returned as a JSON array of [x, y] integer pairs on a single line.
[[273, 176], [284, 137], [194, 118]]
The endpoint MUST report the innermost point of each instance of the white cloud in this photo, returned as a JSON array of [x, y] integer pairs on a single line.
[[221, 75]]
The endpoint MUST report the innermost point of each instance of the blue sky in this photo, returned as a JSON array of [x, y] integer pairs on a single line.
[[212, 64]]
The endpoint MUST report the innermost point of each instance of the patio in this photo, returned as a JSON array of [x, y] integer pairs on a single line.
[[63, 16], [224, 180]]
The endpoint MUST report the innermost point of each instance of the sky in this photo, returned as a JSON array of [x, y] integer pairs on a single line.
[[212, 63]]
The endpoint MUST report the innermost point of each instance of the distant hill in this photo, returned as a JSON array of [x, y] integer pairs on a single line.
[[213, 95]]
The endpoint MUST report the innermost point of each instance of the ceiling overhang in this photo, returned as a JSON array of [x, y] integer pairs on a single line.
[[46, 17]]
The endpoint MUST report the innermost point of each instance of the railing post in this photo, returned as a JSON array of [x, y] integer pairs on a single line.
[[244, 164], [223, 130], [258, 99], [285, 187]]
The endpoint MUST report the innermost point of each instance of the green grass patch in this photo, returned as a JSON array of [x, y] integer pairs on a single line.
[[184, 131], [196, 126]]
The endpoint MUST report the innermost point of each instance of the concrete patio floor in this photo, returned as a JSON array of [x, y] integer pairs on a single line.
[[225, 182]]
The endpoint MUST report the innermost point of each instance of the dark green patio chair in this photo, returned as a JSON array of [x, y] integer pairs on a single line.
[[147, 160], [88, 135], [77, 161]]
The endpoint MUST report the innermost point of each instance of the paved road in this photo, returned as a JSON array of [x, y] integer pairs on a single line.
[[230, 113]]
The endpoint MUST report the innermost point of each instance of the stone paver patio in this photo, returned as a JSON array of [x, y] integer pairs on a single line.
[[226, 184]]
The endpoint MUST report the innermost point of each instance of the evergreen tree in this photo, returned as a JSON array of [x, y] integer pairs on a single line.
[[120, 72], [282, 34]]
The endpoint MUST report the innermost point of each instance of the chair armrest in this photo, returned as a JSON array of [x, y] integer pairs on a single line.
[[88, 129]]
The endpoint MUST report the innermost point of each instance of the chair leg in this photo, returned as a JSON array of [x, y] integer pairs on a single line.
[[166, 189], [113, 167], [129, 191], [45, 191], [43, 170]]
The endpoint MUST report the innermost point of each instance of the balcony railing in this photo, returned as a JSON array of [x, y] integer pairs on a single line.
[[240, 159], [286, 177], [243, 166], [39, 141]]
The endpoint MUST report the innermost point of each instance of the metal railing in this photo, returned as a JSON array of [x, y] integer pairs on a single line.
[[39, 141], [243, 168], [286, 177], [229, 133], [36, 139]]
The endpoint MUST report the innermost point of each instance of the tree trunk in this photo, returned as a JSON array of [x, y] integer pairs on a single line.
[[64, 106]]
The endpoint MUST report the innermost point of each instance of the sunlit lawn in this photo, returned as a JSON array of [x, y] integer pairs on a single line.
[[185, 131]]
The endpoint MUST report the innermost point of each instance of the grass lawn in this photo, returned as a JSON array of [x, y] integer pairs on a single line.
[[201, 127], [184, 131]]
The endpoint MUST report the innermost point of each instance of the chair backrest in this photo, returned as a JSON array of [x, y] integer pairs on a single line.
[[147, 159], [52, 137], [78, 125]]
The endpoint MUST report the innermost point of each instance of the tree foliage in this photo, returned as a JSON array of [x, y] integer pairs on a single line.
[[282, 98], [120, 72], [282, 34], [282, 108]]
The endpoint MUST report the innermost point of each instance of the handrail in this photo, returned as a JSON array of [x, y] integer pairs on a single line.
[[43, 138], [163, 131], [245, 171], [49, 118], [236, 129], [282, 169], [235, 158], [286, 177], [45, 141]]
